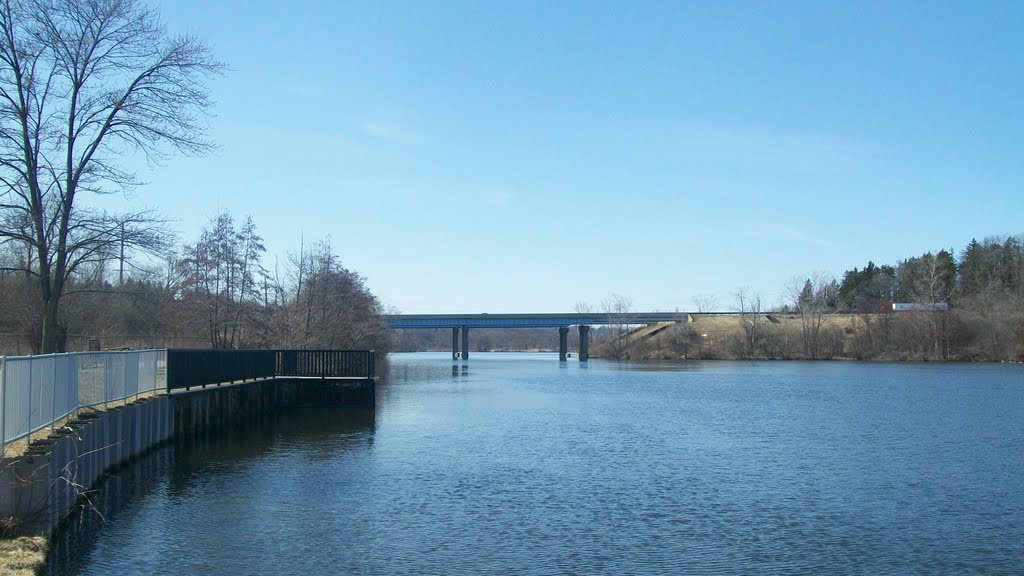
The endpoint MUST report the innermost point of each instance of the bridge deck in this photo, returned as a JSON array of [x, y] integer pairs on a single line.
[[413, 321]]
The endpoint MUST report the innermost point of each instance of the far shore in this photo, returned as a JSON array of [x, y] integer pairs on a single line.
[[882, 337]]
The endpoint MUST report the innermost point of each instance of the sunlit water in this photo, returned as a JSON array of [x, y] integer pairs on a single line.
[[519, 464]]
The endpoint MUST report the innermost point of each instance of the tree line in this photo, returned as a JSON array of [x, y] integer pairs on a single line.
[[85, 88], [968, 306], [215, 291]]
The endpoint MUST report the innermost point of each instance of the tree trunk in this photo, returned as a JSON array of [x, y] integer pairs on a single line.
[[54, 337]]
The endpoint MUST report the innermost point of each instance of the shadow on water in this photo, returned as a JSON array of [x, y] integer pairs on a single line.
[[313, 431], [176, 466], [80, 530]]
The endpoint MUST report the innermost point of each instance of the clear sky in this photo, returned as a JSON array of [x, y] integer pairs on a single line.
[[487, 156]]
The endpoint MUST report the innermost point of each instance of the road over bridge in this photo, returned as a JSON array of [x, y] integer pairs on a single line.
[[461, 323]]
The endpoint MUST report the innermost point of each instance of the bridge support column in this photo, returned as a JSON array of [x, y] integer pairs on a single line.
[[465, 342], [584, 343], [455, 343], [563, 343]]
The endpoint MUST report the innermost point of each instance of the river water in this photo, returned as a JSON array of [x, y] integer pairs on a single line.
[[518, 464]]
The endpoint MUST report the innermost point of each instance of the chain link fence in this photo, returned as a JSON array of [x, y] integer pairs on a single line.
[[37, 392]]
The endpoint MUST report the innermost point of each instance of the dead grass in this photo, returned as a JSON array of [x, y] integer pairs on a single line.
[[23, 556], [17, 448], [715, 333]]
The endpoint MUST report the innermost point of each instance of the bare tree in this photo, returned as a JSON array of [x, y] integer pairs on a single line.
[[619, 308], [222, 274], [145, 231], [813, 298], [82, 85], [18, 326], [705, 303], [748, 306], [332, 307]]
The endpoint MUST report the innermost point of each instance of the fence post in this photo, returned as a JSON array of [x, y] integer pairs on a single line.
[[73, 398], [106, 379], [138, 370], [167, 371], [3, 405], [28, 437], [53, 390]]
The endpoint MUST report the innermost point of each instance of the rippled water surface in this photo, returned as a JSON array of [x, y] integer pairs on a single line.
[[519, 464]]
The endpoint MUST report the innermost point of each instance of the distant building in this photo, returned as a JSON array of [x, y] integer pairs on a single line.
[[919, 307]]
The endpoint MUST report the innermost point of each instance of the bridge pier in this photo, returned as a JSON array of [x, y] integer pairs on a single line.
[[563, 343], [460, 323], [465, 342], [584, 343]]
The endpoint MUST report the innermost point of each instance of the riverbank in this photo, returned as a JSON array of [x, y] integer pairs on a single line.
[[919, 336], [23, 556], [906, 336]]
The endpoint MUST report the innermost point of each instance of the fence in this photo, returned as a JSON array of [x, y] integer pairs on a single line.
[[189, 368], [326, 363], [38, 391]]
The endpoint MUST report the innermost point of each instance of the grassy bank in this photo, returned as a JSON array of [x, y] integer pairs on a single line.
[[913, 336], [23, 556]]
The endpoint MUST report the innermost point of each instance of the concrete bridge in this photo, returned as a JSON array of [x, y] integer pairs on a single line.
[[461, 323]]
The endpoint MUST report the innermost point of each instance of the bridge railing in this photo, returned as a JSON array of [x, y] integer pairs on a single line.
[[37, 392]]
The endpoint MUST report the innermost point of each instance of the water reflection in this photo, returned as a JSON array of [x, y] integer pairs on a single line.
[[175, 472], [314, 431], [523, 465], [119, 489]]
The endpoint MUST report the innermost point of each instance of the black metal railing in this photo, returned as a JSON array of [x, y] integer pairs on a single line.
[[188, 368], [326, 363]]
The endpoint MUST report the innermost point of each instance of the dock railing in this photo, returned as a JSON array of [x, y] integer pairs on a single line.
[[326, 363], [188, 368]]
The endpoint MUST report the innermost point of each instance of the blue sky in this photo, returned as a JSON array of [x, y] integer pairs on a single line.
[[523, 156]]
